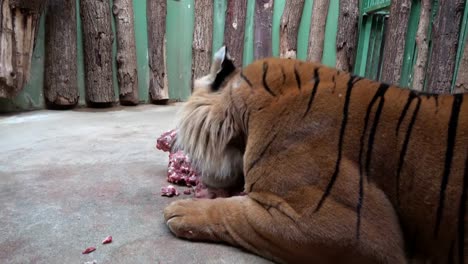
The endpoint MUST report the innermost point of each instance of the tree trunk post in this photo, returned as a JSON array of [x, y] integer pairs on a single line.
[[262, 29], [156, 19], [234, 29], [317, 30], [127, 75], [97, 39], [394, 48], [18, 30], [445, 32], [347, 37], [289, 28], [422, 45], [202, 38], [60, 70]]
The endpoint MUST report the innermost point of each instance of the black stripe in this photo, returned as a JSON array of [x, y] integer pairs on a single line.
[[265, 85], [262, 153], [314, 91], [451, 136], [370, 145], [411, 96], [340, 145], [461, 215], [334, 84], [245, 79], [284, 74], [451, 258], [379, 94], [404, 148], [298, 78]]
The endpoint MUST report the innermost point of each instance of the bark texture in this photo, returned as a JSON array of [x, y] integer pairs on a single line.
[[126, 52], [97, 38], [445, 32], [202, 38], [262, 28], [18, 30], [317, 30], [422, 45], [60, 72], [394, 48], [347, 38], [156, 19], [461, 84], [234, 29], [289, 28]]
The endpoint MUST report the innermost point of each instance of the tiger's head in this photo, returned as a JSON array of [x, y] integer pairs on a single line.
[[208, 130]]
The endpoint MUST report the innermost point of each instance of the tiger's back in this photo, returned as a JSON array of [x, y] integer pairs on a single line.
[[413, 146]]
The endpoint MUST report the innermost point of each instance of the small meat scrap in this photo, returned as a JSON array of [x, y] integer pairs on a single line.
[[166, 140], [107, 240], [169, 191], [88, 250], [187, 191]]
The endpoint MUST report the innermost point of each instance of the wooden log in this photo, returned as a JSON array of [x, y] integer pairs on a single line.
[[202, 38], [317, 30], [347, 37], [394, 49], [156, 18], [262, 28], [445, 32], [234, 29], [97, 39], [127, 75], [18, 30], [289, 28], [422, 46], [60, 70]]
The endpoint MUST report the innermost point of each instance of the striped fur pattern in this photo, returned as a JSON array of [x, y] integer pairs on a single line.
[[337, 168]]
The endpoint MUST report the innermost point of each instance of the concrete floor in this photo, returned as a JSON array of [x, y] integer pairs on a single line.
[[68, 179]]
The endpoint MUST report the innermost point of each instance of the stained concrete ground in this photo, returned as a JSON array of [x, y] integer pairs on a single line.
[[68, 179]]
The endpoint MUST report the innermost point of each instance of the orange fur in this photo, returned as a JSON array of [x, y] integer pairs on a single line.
[[337, 169]]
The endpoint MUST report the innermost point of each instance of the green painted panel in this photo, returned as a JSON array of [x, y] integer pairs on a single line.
[[31, 97], [141, 42], [219, 10], [80, 57], [410, 45], [179, 28], [373, 5], [278, 9], [248, 55], [304, 30], [331, 29]]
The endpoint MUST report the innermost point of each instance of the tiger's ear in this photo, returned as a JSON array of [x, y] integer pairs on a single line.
[[221, 68]]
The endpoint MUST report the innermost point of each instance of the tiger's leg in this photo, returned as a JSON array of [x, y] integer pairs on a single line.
[[268, 226]]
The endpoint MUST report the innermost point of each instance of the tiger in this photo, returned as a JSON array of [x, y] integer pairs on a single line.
[[336, 168]]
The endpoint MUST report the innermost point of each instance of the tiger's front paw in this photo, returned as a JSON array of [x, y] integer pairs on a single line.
[[188, 219]]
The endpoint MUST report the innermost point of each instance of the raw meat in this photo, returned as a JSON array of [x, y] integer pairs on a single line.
[[107, 240], [169, 191], [88, 250]]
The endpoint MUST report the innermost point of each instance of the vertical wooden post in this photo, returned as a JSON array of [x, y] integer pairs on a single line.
[[289, 28], [262, 28], [461, 84], [445, 32], [97, 38], [347, 37], [317, 30], [156, 18], [60, 72], [394, 47], [19, 25], [234, 29], [422, 45], [202, 38], [126, 52]]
